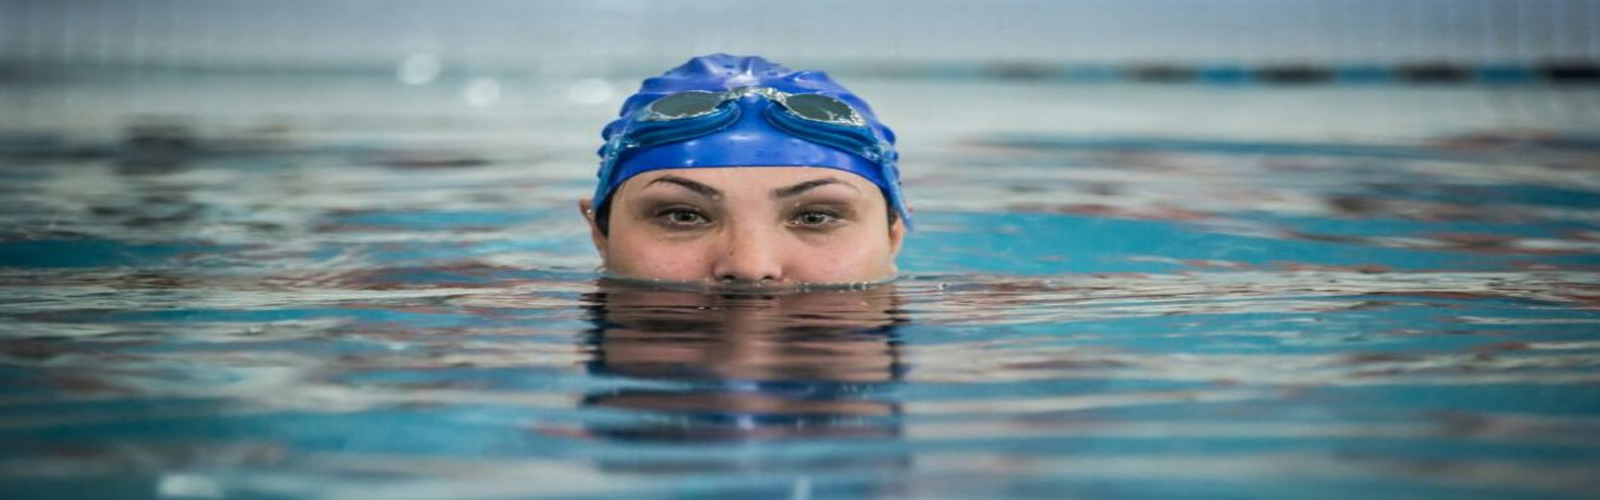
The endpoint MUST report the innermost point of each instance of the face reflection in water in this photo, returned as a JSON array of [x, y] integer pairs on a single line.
[[747, 367]]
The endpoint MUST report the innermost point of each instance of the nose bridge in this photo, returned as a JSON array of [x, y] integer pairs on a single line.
[[750, 252]]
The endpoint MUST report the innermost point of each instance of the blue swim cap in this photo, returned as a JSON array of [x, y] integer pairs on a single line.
[[751, 141]]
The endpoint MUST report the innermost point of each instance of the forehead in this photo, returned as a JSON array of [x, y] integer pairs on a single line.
[[750, 179]]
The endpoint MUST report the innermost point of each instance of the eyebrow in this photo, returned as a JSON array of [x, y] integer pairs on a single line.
[[704, 190], [785, 192]]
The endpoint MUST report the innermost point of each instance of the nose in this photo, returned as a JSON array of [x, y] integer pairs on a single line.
[[751, 256]]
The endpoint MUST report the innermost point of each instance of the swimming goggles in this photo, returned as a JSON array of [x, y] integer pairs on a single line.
[[697, 103], [686, 115]]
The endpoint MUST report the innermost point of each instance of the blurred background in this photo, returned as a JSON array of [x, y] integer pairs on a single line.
[[1163, 248], [524, 73]]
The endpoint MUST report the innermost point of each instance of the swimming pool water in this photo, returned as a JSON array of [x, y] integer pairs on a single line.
[[350, 313]]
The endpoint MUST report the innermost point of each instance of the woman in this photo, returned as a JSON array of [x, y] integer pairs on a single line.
[[734, 172]]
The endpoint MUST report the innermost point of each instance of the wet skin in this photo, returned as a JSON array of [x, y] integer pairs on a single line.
[[766, 227]]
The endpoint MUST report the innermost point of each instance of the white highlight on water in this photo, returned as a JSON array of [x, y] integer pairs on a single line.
[[420, 68], [590, 91], [481, 92]]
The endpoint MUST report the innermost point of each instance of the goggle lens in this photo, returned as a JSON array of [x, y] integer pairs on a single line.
[[684, 105], [821, 108]]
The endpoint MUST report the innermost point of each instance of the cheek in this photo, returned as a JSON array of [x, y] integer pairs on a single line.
[[854, 257], [638, 256]]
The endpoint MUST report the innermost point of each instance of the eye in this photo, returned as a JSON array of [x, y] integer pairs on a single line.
[[815, 219], [682, 217]]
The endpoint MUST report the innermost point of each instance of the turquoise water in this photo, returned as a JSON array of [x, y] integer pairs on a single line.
[[349, 314]]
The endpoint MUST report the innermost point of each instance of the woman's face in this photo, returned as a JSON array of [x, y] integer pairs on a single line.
[[750, 226]]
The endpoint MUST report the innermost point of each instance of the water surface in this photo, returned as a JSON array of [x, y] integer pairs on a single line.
[[342, 312]]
